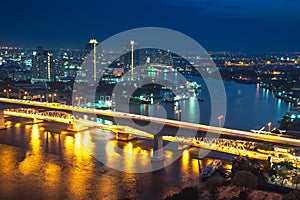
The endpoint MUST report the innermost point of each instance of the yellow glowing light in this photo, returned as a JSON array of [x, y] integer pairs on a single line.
[[80, 150], [49, 66], [275, 72], [227, 166], [64, 132], [185, 159], [17, 125], [129, 159], [26, 166], [27, 126], [195, 165], [52, 173], [129, 148], [8, 123]]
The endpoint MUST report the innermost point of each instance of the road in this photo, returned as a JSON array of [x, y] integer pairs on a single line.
[[212, 129]]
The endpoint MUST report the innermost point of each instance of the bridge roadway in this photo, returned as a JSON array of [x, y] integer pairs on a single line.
[[234, 147], [165, 122], [237, 149]]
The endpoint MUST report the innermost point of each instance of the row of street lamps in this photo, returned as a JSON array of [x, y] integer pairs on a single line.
[[78, 99], [7, 92], [49, 97], [220, 117]]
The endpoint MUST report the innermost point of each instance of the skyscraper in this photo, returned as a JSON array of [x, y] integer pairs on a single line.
[[42, 66], [134, 56], [89, 47]]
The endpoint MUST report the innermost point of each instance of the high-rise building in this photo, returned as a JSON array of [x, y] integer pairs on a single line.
[[133, 55], [91, 46], [42, 66]]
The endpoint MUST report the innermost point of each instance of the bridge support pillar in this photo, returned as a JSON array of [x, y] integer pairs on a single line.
[[72, 127], [2, 120], [158, 151]]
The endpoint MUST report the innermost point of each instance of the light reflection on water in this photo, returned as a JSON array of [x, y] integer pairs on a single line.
[[248, 106], [38, 164]]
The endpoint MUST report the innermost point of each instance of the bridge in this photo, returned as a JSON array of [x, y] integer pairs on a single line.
[[233, 147], [73, 123], [126, 118], [50, 115]]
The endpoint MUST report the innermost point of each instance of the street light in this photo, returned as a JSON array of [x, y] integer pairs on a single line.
[[220, 117], [269, 125], [178, 114], [53, 97], [49, 95], [26, 94], [7, 92], [78, 98]]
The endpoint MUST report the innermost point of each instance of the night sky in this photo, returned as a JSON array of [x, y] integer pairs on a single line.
[[234, 25]]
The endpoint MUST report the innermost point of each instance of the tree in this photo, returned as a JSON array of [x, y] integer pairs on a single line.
[[290, 196], [296, 181], [212, 185], [245, 181], [191, 193]]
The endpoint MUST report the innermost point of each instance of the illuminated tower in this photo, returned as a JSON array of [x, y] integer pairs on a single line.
[[132, 57], [92, 46], [49, 63]]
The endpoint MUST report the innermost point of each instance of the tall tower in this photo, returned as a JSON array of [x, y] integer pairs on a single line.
[[92, 46], [132, 57], [49, 63]]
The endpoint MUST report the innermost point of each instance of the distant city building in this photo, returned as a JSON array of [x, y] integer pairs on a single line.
[[59, 69], [42, 66]]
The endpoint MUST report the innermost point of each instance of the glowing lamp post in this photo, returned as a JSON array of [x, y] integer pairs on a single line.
[[269, 125], [53, 97], [178, 114], [220, 117], [78, 98], [50, 96]]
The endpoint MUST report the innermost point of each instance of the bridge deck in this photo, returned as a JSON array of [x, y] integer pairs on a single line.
[[173, 123]]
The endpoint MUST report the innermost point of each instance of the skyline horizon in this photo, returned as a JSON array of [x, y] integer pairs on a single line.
[[77, 48]]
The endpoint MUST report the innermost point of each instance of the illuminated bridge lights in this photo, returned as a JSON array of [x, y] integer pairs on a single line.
[[223, 131]]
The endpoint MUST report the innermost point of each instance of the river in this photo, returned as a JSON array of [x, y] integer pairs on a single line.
[[38, 163]]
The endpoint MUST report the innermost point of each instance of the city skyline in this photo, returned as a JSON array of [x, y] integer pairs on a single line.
[[257, 26], [161, 99]]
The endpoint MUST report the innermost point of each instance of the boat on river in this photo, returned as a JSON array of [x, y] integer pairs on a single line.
[[211, 169]]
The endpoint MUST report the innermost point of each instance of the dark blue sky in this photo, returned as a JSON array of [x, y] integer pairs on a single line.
[[235, 25]]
